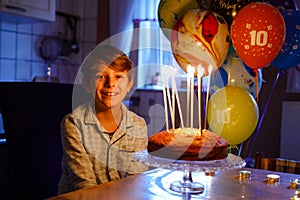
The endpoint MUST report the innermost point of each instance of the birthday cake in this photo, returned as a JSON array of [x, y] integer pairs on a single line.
[[188, 144]]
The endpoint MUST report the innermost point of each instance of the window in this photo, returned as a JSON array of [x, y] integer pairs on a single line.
[[154, 50], [153, 47]]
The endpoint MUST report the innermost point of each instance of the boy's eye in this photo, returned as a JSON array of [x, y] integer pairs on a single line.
[[100, 76], [103, 76], [120, 76]]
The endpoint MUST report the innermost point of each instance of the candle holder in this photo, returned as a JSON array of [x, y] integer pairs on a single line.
[[244, 174], [273, 178], [186, 184], [294, 183]]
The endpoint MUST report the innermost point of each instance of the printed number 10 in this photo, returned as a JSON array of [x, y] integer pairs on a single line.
[[259, 38], [223, 116]]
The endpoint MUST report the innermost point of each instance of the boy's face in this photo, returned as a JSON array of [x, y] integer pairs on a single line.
[[108, 86]]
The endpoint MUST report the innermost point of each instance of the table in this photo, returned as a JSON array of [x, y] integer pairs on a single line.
[[223, 185]]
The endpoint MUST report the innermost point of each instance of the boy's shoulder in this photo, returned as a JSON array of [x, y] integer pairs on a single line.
[[135, 118]]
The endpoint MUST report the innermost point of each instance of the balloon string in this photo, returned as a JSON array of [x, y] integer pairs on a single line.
[[296, 5], [263, 114], [256, 84], [234, 148]]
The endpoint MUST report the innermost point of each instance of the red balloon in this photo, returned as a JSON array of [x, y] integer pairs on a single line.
[[258, 33]]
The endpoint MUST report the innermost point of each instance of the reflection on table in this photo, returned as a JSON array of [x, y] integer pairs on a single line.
[[155, 184]]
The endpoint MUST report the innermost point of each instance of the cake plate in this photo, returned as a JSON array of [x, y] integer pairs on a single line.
[[186, 185]]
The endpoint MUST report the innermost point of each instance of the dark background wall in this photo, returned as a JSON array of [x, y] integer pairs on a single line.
[[268, 137]]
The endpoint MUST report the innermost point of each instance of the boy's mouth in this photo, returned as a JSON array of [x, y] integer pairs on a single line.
[[109, 93]]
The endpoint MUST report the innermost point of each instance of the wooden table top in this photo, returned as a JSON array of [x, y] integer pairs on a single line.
[[155, 184]]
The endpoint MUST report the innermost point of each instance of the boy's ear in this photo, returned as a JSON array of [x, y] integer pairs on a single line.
[[86, 85], [130, 84]]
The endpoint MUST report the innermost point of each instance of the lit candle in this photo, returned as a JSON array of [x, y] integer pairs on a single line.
[[188, 88], [164, 83], [173, 107], [192, 100], [170, 100], [207, 93], [175, 91], [200, 71], [171, 97], [191, 71]]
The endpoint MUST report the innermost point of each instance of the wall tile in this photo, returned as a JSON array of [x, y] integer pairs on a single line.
[[24, 46], [90, 9], [8, 26], [87, 47], [24, 28], [90, 36], [78, 7], [20, 59], [58, 5], [60, 26], [23, 70], [53, 28], [7, 70], [66, 6], [77, 58], [8, 44], [38, 69], [36, 48], [39, 28]]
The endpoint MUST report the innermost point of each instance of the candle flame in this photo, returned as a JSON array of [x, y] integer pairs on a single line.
[[190, 69]]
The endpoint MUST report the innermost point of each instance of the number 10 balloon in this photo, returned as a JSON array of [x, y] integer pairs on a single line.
[[258, 33], [233, 113]]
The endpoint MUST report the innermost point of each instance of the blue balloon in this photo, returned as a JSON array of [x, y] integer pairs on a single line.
[[289, 56], [283, 4]]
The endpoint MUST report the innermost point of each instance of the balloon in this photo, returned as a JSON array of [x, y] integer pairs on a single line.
[[232, 113], [257, 33], [169, 11], [289, 55], [229, 8], [234, 72], [200, 38]]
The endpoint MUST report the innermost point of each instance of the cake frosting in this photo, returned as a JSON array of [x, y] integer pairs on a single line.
[[188, 144]]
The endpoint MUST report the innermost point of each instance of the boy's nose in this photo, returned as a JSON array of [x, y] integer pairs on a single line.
[[109, 82]]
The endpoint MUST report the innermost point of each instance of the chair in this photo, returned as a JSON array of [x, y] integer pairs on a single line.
[[32, 113], [276, 164]]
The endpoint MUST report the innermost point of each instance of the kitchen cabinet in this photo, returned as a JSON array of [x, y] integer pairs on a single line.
[[25, 11]]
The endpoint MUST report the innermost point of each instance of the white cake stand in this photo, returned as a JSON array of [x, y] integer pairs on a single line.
[[186, 185]]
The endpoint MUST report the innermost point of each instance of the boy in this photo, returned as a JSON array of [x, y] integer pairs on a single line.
[[100, 138]]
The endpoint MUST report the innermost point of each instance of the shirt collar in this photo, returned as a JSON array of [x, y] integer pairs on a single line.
[[90, 117]]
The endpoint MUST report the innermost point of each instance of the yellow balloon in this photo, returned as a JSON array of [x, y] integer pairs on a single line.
[[169, 11], [233, 113]]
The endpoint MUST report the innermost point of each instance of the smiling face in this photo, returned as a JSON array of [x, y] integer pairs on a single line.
[[109, 87], [108, 76]]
